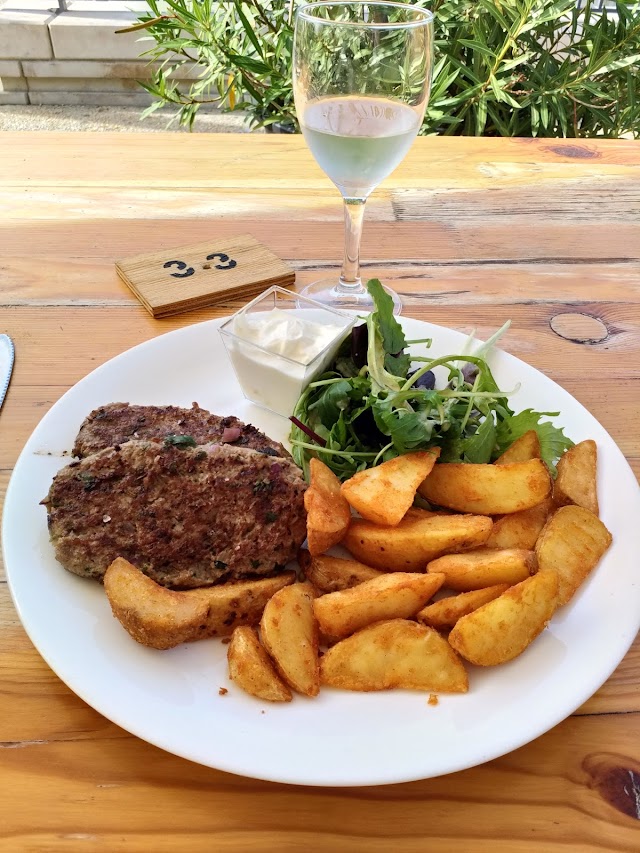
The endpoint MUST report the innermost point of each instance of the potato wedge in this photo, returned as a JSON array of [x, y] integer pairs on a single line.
[[520, 529], [410, 545], [289, 632], [502, 629], [250, 667], [445, 613], [330, 574], [483, 568], [153, 615], [576, 482], [487, 489], [328, 513], [384, 494], [572, 543], [236, 603], [163, 618], [417, 512], [522, 450], [391, 654], [395, 595]]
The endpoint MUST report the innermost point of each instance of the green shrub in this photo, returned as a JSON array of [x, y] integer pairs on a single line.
[[503, 67]]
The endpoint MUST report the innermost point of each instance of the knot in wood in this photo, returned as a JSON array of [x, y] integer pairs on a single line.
[[578, 152], [617, 780], [579, 328]]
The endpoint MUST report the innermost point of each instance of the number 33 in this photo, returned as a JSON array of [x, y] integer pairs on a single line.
[[226, 263]]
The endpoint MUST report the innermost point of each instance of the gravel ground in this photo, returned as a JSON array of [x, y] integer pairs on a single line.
[[112, 119]]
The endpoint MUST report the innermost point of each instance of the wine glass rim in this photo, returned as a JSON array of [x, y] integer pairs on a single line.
[[423, 16]]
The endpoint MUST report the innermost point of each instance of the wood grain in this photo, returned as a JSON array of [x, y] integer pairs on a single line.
[[471, 232], [513, 804]]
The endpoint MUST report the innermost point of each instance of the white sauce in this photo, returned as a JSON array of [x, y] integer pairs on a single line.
[[276, 374]]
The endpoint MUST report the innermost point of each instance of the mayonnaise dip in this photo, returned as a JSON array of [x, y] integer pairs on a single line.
[[276, 353]]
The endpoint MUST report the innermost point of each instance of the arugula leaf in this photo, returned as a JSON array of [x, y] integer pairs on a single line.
[[553, 441], [479, 447], [398, 365], [393, 339], [407, 428], [332, 402]]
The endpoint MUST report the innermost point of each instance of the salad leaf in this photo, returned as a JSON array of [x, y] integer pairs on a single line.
[[553, 441], [480, 447], [332, 402], [393, 339]]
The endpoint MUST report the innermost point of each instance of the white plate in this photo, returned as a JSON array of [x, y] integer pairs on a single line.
[[170, 698]]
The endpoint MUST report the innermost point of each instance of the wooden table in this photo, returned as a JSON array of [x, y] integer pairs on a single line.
[[471, 233]]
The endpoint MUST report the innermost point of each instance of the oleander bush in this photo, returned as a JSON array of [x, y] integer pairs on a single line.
[[502, 67]]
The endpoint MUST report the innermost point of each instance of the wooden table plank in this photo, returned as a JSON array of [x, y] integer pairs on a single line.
[[518, 803], [259, 162], [49, 280], [427, 241]]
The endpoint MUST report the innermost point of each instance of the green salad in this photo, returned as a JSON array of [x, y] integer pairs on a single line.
[[377, 401]]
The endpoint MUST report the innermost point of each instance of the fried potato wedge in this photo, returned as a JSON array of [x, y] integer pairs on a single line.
[[395, 595], [289, 633], [330, 574], [487, 489], [236, 603], [572, 543], [384, 494], [415, 541], [499, 631], [483, 568], [520, 529], [397, 653], [328, 513], [577, 482], [522, 450], [153, 615], [250, 667], [445, 613], [163, 618]]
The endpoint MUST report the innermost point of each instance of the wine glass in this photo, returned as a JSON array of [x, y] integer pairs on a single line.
[[361, 80]]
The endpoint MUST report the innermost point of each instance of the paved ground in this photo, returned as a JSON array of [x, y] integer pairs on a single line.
[[111, 118]]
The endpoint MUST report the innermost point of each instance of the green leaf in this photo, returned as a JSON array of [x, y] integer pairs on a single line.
[[393, 339], [478, 47], [481, 116], [247, 63], [479, 448], [617, 64], [249, 30], [333, 400], [553, 441]]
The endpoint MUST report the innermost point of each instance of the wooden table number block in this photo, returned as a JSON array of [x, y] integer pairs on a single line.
[[177, 280]]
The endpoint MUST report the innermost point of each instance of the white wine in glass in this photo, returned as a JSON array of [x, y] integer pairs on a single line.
[[362, 73]]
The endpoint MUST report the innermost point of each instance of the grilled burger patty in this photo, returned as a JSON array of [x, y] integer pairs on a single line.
[[187, 516], [119, 422]]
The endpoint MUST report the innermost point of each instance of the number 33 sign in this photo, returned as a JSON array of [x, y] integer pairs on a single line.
[[191, 277], [226, 263]]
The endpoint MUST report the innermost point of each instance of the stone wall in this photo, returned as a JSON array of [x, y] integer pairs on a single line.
[[72, 56]]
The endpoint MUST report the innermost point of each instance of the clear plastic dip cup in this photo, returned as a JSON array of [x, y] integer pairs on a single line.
[[279, 343]]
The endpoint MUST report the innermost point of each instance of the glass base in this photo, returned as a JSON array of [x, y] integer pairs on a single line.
[[345, 297]]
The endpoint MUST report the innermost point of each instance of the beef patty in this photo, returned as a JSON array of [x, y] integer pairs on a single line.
[[116, 423], [187, 516]]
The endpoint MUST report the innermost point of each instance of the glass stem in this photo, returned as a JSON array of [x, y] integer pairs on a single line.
[[353, 218]]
